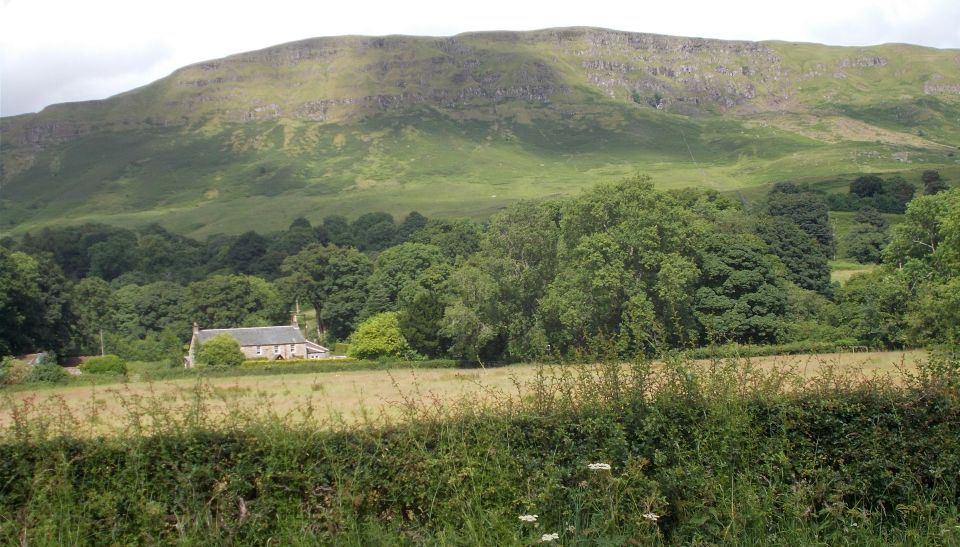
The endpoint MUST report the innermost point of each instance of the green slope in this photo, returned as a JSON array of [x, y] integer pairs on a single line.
[[465, 125]]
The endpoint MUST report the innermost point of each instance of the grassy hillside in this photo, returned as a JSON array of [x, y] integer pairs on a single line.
[[464, 125]]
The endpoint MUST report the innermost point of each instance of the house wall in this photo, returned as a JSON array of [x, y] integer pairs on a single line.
[[299, 352]]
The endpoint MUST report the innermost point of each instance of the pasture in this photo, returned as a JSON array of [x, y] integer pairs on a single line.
[[349, 397]]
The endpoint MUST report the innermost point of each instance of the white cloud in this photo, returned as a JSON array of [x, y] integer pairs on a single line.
[[63, 50]]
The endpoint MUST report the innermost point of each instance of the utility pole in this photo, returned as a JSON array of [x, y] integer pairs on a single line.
[[101, 343]]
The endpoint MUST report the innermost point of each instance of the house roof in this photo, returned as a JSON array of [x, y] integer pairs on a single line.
[[313, 347], [257, 336]]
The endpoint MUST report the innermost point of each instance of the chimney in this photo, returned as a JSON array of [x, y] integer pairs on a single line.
[[293, 321], [196, 329]]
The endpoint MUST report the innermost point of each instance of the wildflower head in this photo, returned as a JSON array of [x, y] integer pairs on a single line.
[[547, 538], [528, 518], [652, 517], [599, 466]]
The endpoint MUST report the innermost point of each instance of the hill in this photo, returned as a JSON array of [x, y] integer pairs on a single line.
[[461, 126]]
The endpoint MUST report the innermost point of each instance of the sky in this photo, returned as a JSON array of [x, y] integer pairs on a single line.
[[54, 51]]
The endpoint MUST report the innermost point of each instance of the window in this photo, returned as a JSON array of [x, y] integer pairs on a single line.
[[293, 348], [276, 350], [259, 350]]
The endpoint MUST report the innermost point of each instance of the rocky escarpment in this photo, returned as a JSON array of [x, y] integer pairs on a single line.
[[347, 78]]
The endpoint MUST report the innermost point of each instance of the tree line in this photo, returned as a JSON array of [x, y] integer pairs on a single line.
[[622, 267]]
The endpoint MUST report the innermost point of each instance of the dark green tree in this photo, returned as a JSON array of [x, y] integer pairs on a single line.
[[933, 183], [35, 311], [864, 243], [394, 269], [454, 237], [866, 186], [113, 256], [248, 255], [226, 301], [869, 215], [806, 264], [331, 279], [338, 231], [142, 309], [412, 223], [740, 298], [374, 231], [421, 306], [809, 212], [95, 310]]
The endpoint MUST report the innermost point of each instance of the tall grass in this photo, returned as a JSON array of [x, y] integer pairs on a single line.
[[723, 453]]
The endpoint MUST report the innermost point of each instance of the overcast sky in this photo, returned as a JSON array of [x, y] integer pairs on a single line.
[[70, 50]]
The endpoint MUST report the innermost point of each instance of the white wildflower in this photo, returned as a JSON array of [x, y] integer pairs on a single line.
[[528, 518], [652, 517], [571, 528], [599, 466], [547, 538]]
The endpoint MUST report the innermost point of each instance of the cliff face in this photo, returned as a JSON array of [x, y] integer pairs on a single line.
[[352, 114], [337, 79]]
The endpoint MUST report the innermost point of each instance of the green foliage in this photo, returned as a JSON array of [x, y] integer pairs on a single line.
[[333, 280], [379, 336], [222, 351], [454, 237], [715, 453], [740, 299], [227, 301], [47, 373], [422, 304], [13, 371], [35, 307], [95, 310], [933, 183], [374, 231], [107, 364], [889, 195], [805, 263], [866, 186], [864, 243], [395, 268], [874, 307], [809, 212]]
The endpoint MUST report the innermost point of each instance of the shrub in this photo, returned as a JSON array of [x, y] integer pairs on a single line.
[[341, 348], [12, 371], [220, 351], [107, 364], [379, 336], [47, 373]]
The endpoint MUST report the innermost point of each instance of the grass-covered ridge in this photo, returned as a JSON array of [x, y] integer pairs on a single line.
[[722, 453], [465, 125]]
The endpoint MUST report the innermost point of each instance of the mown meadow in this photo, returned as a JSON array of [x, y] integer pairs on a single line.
[[717, 452]]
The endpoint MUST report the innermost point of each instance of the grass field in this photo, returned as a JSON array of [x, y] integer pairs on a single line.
[[843, 269], [366, 395]]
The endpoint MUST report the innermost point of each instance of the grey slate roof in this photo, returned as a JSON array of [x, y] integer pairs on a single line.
[[257, 336]]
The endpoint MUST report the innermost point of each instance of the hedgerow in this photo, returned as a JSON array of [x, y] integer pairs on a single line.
[[724, 453]]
